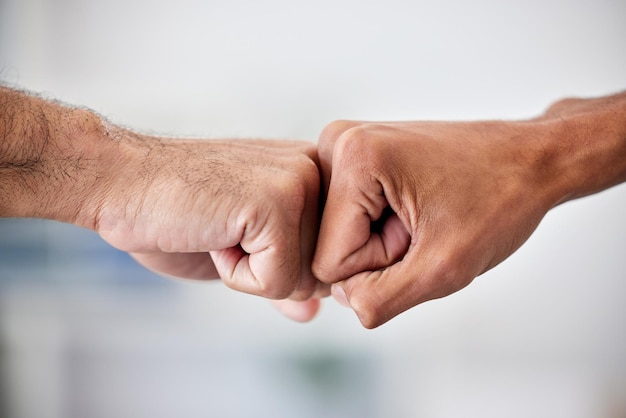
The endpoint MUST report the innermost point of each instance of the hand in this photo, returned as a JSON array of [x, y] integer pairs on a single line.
[[415, 211], [245, 211]]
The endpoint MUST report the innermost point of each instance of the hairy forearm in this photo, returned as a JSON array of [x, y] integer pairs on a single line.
[[51, 158]]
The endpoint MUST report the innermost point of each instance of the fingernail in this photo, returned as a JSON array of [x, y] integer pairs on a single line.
[[340, 295]]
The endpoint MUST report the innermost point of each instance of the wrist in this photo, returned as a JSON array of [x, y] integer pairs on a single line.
[[584, 146], [79, 168], [53, 159], [96, 154]]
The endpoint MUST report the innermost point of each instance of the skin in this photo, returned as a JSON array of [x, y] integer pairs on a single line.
[[413, 211], [416, 210], [245, 211]]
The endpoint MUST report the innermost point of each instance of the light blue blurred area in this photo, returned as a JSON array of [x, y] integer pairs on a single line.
[[85, 332], [34, 251]]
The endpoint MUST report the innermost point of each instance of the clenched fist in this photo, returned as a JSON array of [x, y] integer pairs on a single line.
[[416, 210]]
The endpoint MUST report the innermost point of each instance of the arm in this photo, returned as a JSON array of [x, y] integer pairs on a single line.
[[245, 211], [416, 210], [587, 142], [48, 156]]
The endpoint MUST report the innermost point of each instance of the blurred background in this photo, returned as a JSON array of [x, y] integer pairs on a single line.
[[85, 332]]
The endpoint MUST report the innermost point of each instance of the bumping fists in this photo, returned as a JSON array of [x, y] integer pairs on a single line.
[[384, 216]]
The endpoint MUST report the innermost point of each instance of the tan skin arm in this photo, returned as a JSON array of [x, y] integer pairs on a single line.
[[450, 200]]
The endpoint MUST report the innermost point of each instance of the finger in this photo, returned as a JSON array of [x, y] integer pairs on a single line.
[[272, 272], [277, 269], [300, 311], [179, 265], [347, 243], [378, 296], [326, 144], [340, 295]]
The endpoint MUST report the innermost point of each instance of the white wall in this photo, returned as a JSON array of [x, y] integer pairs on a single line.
[[541, 335]]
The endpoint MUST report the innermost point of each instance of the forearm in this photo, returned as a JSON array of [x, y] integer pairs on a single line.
[[585, 147], [52, 159]]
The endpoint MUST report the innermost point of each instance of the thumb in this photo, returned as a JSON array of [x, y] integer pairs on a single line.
[[378, 296], [266, 261]]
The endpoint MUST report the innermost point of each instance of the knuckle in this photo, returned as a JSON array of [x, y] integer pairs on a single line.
[[335, 129], [325, 269], [286, 187], [370, 315], [349, 148], [330, 134], [309, 174], [370, 312], [360, 144], [292, 196], [274, 290], [298, 188], [309, 151]]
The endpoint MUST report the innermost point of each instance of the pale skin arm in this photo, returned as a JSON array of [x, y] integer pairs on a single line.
[[416, 210], [242, 210]]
